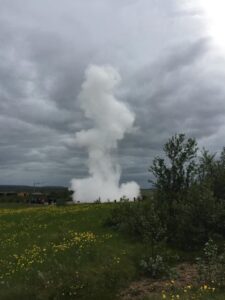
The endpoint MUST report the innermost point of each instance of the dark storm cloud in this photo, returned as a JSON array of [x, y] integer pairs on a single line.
[[173, 80]]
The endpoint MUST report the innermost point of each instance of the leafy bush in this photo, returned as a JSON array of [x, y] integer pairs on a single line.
[[156, 267], [187, 222], [212, 172], [192, 219], [177, 171], [139, 219], [211, 265], [189, 201]]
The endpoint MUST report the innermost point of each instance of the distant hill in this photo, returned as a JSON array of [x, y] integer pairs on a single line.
[[27, 188]]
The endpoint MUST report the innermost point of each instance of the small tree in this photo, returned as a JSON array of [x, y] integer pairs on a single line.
[[219, 177], [207, 167], [212, 172], [222, 157], [178, 171]]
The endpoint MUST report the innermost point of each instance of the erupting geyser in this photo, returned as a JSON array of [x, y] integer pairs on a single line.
[[111, 119]]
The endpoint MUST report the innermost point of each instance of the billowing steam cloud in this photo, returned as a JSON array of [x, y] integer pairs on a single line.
[[111, 119]]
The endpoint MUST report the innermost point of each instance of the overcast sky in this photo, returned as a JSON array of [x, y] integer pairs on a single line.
[[171, 58]]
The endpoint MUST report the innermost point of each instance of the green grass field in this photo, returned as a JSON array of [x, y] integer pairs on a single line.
[[65, 252]]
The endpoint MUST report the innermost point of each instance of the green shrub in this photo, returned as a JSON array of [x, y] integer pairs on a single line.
[[140, 220], [212, 171], [177, 171], [156, 267], [189, 202], [187, 222], [211, 266], [191, 219]]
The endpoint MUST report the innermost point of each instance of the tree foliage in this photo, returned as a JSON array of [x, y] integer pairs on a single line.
[[178, 171], [188, 206], [212, 172]]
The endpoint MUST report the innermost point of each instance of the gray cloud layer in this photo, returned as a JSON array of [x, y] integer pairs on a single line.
[[173, 79]]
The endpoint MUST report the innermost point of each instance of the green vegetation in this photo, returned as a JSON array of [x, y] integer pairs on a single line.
[[63, 253], [175, 237], [67, 252], [186, 212]]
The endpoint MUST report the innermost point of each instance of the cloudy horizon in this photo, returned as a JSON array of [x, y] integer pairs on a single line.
[[171, 57]]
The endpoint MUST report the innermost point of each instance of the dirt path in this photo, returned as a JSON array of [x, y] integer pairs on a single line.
[[186, 275]]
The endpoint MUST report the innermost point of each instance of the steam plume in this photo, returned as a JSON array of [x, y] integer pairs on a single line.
[[111, 119]]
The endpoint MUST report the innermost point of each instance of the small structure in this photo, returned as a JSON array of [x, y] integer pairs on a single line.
[[37, 198], [23, 194]]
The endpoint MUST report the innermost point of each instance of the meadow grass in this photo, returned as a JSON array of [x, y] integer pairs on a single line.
[[63, 252], [50, 252]]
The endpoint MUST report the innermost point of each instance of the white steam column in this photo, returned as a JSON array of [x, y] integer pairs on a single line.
[[111, 119]]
